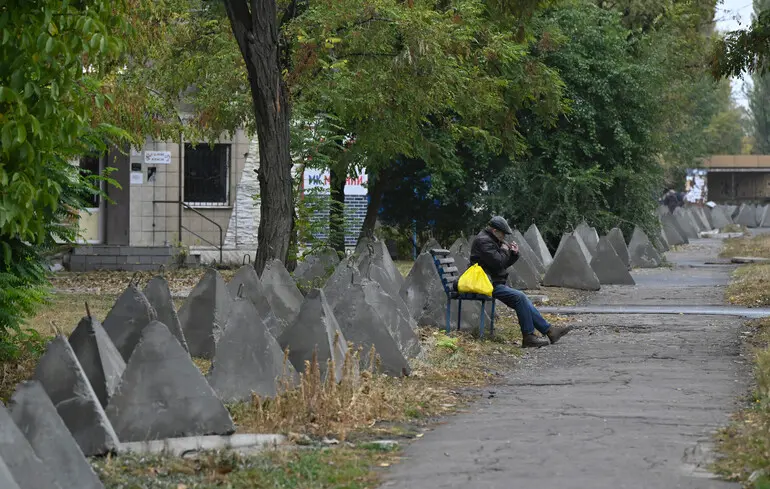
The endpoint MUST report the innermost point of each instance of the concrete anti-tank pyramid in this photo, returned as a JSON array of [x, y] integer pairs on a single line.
[[461, 247], [687, 227], [700, 225], [164, 395], [431, 244], [671, 230], [581, 245], [765, 220], [316, 329], [362, 326], [26, 468], [100, 359], [746, 216], [701, 215], [376, 253], [424, 295], [248, 358], [36, 417], [719, 217], [281, 291], [570, 268], [131, 312], [319, 263], [536, 242], [608, 266], [522, 275], [254, 291], [345, 273], [643, 253], [527, 252], [66, 384], [159, 295], [708, 211], [6, 478], [373, 269], [204, 314], [618, 242], [395, 316], [658, 242], [589, 236]]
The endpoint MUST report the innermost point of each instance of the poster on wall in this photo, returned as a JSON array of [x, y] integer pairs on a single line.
[[137, 178], [355, 185], [695, 187]]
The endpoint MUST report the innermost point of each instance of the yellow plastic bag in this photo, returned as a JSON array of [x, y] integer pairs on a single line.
[[474, 281]]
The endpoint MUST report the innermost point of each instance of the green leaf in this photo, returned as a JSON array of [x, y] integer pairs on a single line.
[[21, 133], [49, 45], [7, 253], [29, 90], [6, 137]]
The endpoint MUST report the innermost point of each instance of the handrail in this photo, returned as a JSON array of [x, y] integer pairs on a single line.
[[188, 207]]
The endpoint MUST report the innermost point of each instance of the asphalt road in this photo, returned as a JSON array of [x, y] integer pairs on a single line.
[[624, 401]]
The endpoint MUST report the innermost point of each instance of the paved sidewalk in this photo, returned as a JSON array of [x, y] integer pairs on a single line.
[[624, 401]]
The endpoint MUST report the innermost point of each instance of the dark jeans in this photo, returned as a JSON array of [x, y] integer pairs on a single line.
[[530, 318]]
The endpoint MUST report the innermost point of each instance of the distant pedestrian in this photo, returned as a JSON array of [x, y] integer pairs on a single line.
[[671, 201], [494, 256]]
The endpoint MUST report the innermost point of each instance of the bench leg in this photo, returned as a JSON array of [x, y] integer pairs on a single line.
[[492, 320], [459, 312], [448, 313], [481, 327]]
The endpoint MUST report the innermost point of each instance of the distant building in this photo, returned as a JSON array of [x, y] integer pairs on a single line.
[[738, 178]]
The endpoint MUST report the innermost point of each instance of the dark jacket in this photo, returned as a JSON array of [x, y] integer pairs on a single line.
[[486, 250]]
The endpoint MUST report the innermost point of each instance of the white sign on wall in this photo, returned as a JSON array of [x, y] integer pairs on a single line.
[[137, 178], [320, 178], [157, 157]]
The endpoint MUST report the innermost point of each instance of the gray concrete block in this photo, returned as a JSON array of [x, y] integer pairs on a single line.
[[431, 244], [764, 221], [204, 314], [608, 266], [316, 334], [319, 263], [127, 318], [65, 382], [281, 291], [26, 468], [522, 275], [146, 259], [163, 394], [248, 359], [527, 252], [6, 478], [643, 253], [671, 230], [536, 242], [362, 326], [719, 217], [247, 280], [618, 242], [686, 228], [571, 268], [395, 316], [159, 296], [589, 236], [461, 248], [376, 253], [746, 216], [99, 357], [36, 417]]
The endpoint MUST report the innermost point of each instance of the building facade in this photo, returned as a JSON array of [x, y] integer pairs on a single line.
[[738, 178]]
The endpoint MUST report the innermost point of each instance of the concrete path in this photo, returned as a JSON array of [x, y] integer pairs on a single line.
[[624, 401]]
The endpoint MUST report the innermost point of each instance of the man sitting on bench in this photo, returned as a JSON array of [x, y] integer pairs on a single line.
[[494, 255]]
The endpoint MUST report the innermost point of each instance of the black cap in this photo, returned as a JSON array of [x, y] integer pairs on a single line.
[[499, 223]]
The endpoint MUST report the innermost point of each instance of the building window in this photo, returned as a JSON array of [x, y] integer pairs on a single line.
[[207, 174], [89, 165]]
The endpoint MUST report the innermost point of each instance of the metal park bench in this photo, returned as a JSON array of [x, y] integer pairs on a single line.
[[449, 275]]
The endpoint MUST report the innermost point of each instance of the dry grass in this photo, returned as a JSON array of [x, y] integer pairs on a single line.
[[750, 286], [110, 282], [745, 443], [757, 246]]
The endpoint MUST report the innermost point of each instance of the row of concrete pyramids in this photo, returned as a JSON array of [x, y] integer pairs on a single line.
[[749, 215]]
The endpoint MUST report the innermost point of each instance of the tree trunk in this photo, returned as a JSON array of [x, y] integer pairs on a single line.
[[337, 210], [377, 184], [255, 26]]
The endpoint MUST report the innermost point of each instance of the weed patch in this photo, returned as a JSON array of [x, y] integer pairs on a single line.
[[348, 468], [756, 246], [750, 286], [745, 443]]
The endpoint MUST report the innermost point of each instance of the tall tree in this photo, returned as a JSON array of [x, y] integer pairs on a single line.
[[759, 96]]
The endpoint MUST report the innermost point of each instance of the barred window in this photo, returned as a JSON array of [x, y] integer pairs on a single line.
[[207, 174]]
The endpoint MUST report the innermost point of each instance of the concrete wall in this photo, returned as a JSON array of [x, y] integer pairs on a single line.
[[724, 186]]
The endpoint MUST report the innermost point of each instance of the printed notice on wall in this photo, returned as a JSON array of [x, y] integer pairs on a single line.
[[157, 157], [137, 178]]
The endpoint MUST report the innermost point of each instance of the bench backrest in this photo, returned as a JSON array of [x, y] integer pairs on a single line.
[[447, 271]]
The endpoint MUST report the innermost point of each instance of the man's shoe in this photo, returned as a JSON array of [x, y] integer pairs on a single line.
[[533, 341], [556, 332]]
